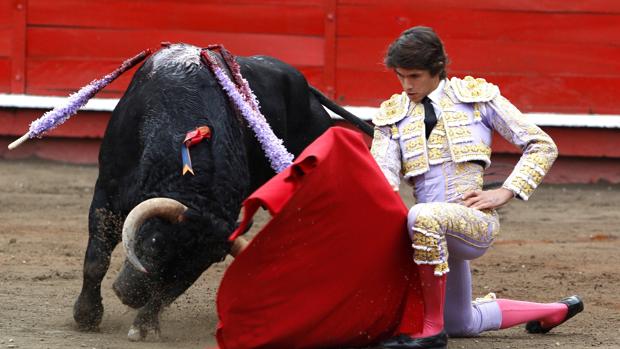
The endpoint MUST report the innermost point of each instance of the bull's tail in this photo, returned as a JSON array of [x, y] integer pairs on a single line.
[[340, 111]]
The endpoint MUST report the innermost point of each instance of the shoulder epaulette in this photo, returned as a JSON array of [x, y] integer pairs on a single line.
[[392, 110], [471, 90]]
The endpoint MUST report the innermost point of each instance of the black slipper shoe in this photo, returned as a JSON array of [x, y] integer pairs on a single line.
[[575, 306], [403, 341]]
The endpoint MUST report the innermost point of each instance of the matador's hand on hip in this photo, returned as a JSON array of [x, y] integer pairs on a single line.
[[487, 199]]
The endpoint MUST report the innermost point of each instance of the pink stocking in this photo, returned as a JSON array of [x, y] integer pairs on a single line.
[[433, 293], [518, 312]]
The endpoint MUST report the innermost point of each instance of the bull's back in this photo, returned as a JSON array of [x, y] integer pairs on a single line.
[[171, 94], [293, 112], [168, 96]]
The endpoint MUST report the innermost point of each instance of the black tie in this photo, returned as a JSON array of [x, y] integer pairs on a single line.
[[430, 119]]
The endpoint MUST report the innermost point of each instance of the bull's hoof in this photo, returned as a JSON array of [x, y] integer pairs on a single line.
[[137, 334], [87, 314]]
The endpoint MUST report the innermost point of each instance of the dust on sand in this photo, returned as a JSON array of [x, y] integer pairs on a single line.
[[564, 241]]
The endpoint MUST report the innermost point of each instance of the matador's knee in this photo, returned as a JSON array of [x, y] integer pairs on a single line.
[[428, 237]]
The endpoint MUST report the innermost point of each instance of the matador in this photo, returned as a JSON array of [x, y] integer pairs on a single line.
[[436, 136]]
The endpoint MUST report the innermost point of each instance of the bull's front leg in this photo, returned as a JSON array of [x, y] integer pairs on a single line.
[[104, 234], [146, 322]]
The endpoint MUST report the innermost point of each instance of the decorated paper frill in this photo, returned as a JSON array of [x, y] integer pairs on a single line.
[[246, 102], [74, 102], [239, 80]]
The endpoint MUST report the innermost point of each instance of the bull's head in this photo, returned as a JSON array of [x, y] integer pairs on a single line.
[[148, 242], [169, 209]]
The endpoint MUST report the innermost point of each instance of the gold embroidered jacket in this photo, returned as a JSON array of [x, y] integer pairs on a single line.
[[469, 110]]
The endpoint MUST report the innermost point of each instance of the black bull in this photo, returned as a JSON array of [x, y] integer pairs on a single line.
[[171, 94]]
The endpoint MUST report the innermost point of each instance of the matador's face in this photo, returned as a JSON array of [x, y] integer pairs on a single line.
[[417, 83]]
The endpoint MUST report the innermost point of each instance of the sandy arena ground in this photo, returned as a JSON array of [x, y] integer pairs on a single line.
[[563, 241]]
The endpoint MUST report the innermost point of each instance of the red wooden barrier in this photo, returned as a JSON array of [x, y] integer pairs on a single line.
[[546, 55]]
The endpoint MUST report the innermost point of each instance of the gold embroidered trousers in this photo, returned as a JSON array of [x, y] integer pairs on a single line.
[[429, 223]]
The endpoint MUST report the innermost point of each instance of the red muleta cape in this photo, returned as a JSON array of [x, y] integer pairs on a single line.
[[333, 268]]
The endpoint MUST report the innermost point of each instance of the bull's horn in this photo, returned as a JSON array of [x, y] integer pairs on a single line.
[[169, 209]]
